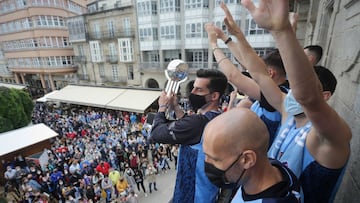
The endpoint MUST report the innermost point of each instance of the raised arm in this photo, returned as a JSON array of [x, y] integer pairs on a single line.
[[234, 75], [255, 65], [331, 132]]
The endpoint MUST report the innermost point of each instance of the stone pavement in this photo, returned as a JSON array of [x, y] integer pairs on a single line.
[[165, 184]]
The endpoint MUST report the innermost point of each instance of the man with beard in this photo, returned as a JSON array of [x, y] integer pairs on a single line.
[[191, 185]]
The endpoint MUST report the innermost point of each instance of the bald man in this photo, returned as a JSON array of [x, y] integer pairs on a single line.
[[235, 145]]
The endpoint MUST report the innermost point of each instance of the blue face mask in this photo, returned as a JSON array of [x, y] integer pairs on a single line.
[[292, 107]]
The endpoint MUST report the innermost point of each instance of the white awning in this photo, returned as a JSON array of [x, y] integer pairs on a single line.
[[20, 87], [44, 98], [132, 100], [24, 137]]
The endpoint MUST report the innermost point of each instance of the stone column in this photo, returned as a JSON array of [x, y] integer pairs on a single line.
[[43, 84], [51, 82], [22, 78], [16, 78]]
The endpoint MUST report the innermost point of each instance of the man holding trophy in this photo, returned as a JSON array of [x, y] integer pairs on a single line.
[[191, 185]]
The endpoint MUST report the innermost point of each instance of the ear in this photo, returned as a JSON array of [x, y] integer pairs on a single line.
[[215, 96], [248, 159], [327, 95], [271, 71]]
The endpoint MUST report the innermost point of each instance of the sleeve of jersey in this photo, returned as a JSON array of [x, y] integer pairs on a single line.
[[187, 130]]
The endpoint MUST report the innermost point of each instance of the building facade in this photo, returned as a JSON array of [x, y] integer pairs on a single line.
[[174, 29], [35, 42], [105, 44]]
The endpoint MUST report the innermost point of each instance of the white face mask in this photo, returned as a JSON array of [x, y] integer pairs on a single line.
[[292, 107]]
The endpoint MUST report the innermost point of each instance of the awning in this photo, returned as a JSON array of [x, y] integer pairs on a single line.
[[20, 87], [132, 100], [24, 137], [44, 98]]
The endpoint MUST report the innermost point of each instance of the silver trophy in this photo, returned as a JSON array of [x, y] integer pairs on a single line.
[[176, 73]]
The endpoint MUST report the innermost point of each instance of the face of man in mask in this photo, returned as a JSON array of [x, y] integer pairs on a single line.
[[200, 94], [218, 176]]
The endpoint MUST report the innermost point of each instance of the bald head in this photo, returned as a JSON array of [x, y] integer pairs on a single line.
[[236, 130]]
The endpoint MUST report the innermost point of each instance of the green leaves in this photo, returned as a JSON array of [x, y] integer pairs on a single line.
[[15, 109]]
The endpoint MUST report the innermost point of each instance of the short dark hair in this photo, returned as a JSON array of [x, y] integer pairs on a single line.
[[316, 50], [218, 81], [327, 78], [274, 59]]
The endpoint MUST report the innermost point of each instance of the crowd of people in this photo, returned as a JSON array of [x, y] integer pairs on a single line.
[[99, 155], [285, 144]]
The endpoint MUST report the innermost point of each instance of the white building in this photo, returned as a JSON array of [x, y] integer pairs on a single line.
[[174, 29]]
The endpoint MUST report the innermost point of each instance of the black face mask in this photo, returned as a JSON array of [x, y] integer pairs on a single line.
[[217, 176], [197, 101]]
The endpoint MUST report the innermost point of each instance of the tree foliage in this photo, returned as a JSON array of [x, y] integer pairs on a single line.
[[15, 109]]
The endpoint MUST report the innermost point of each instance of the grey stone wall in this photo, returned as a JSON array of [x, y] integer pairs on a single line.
[[341, 43]]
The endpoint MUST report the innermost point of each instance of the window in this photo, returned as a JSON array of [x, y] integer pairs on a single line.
[[111, 29], [101, 70], [81, 50], [112, 52], [191, 4], [96, 30], [168, 32], [194, 30], [115, 73], [112, 49], [167, 6], [251, 28], [65, 42], [126, 49], [127, 26], [130, 71], [155, 34], [95, 50]]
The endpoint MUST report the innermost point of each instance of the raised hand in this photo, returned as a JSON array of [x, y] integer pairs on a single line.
[[214, 33], [163, 99], [229, 21], [272, 15]]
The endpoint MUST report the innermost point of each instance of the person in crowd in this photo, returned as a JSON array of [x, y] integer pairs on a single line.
[[129, 176], [122, 186], [314, 148], [235, 145], [114, 176], [163, 158], [175, 153], [103, 167], [132, 197], [106, 185], [139, 179], [150, 174], [191, 183], [10, 176], [134, 161], [314, 53]]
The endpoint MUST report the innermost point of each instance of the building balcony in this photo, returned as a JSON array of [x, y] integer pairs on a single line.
[[152, 66], [112, 59], [80, 59], [45, 69], [110, 81], [84, 77], [110, 35], [160, 67]]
